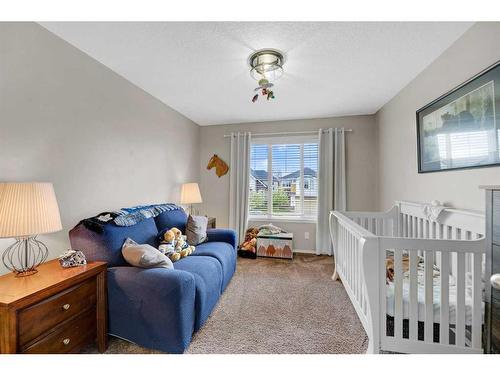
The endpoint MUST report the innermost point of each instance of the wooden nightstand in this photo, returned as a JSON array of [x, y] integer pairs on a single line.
[[56, 310]]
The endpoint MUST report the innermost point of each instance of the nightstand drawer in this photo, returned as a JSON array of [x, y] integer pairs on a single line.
[[38, 318], [73, 334]]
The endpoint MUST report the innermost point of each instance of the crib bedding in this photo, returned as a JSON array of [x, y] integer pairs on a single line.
[[436, 297]]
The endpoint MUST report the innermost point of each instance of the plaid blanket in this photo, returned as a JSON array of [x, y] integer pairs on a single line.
[[127, 216]]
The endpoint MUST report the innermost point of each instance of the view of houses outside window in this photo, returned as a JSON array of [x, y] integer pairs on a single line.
[[293, 170]]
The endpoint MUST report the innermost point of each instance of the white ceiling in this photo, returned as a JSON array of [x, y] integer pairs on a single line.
[[200, 68]]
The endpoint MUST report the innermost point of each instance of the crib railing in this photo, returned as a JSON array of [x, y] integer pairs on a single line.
[[350, 241], [466, 337], [363, 240], [377, 223]]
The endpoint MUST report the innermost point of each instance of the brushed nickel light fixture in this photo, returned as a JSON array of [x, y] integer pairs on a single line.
[[266, 66], [266, 63]]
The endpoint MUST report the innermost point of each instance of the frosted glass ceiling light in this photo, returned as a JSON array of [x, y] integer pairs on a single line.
[[266, 63]]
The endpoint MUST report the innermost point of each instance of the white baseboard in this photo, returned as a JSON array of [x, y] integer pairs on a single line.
[[304, 251]]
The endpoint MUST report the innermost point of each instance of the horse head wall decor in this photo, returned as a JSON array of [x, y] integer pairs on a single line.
[[221, 168]]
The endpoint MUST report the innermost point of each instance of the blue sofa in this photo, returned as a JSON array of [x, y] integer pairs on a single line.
[[159, 308]]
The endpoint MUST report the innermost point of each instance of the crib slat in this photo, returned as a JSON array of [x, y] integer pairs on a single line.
[[444, 318], [403, 226], [352, 261], [429, 298], [413, 306], [398, 294], [349, 259], [476, 301], [342, 249], [460, 311], [356, 268], [383, 296]]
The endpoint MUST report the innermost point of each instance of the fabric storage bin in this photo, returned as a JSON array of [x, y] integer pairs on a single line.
[[275, 245]]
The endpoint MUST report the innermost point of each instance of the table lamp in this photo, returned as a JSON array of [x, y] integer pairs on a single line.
[[26, 210], [190, 194]]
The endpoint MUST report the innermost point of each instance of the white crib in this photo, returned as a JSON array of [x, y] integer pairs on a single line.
[[448, 316]]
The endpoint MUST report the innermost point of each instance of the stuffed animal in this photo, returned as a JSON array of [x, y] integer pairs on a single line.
[[180, 243], [167, 246], [248, 249], [249, 245]]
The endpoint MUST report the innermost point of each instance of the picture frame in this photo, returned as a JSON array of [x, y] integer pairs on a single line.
[[461, 129]]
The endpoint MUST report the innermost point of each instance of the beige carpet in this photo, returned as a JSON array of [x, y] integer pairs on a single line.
[[277, 306]]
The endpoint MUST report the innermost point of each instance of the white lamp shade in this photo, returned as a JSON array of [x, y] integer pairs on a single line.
[[190, 193], [28, 209]]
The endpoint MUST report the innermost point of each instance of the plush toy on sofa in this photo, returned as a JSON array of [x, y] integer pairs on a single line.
[[167, 246], [180, 243], [174, 245]]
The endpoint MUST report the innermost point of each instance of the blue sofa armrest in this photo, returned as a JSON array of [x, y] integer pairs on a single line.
[[152, 307], [223, 235]]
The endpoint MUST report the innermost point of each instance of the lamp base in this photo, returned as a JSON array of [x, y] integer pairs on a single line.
[[26, 273], [24, 256]]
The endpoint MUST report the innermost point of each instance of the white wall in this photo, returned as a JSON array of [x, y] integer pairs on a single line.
[[361, 169], [474, 51], [103, 142]]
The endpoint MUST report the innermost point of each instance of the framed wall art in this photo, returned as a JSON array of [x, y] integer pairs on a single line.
[[461, 129]]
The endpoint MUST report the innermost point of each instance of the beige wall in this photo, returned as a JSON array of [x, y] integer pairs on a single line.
[[361, 166], [103, 142], [474, 51]]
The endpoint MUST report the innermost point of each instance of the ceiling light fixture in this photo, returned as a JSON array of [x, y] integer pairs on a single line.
[[266, 66], [266, 63]]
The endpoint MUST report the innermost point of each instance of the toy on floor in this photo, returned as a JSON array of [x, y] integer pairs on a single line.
[[248, 249], [174, 245]]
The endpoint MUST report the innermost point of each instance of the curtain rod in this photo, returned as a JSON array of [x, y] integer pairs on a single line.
[[286, 133]]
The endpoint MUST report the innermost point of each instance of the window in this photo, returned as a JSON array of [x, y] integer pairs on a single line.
[[463, 149], [283, 178]]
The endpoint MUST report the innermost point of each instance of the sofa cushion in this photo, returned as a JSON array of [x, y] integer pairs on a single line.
[[224, 253], [170, 219], [107, 246], [207, 272]]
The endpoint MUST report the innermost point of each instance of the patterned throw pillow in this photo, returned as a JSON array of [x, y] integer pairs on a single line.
[[196, 229]]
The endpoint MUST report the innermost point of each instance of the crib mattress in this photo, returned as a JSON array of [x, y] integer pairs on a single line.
[[436, 298]]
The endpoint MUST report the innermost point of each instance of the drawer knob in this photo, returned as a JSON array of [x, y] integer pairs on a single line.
[[66, 341], [66, 306]]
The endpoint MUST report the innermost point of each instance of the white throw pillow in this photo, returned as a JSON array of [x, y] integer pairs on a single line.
[[144, 256]]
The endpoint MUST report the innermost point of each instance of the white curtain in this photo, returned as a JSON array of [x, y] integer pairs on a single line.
[[332, 184], [238, 182]]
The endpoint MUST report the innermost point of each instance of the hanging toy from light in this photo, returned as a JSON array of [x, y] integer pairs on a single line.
[[264, 89]]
